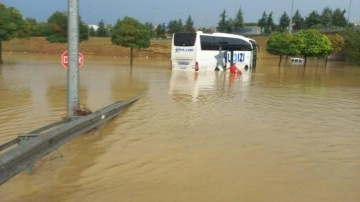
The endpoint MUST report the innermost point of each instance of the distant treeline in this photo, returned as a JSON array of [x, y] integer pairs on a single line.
[[55, 28]]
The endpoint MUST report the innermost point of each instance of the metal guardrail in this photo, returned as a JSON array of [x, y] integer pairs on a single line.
[[38, 143]]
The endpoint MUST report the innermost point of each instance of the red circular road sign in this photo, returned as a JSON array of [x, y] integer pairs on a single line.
[[65, 59]]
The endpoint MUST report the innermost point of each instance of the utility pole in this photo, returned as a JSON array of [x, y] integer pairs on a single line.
[[348, 20], [73, 49], [291, 16]]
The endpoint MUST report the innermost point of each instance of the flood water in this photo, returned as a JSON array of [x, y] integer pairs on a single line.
[[273, 134]]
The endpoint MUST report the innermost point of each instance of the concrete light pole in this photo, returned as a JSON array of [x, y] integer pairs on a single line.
[[348, 20], [73, 49], [291, 16]]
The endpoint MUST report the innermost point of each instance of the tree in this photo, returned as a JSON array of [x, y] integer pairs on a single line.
[[282, 44], [92, 31], [12, 25], [338, 18], [270, 25], [59, 28], [338, 44], [309, 43], [160, 31], [175, 26], [208, 30], [326, 17], [129, 32], [239, 19], [326, 48], [102, 31], [224, 25], [222, 22], [150, 26], [298, 21], [314, 44], [189, 25], [58, 24], [284, 22], [41, 29], [352, 45], [337, 41], [83, 31], [32, 25], [313, 19], [109, 28], [262, 22]]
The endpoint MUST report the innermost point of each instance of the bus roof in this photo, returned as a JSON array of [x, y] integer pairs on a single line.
[[223, 35]]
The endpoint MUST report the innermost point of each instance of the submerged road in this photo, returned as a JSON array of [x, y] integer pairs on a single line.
[[36, 144]]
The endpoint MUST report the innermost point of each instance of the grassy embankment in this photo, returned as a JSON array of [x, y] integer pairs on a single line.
[[159, 49]]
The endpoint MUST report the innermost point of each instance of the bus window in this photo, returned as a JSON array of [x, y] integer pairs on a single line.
[[208, 43], [184, 39]]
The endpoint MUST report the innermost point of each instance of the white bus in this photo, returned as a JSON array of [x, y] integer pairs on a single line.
[[211, 52]]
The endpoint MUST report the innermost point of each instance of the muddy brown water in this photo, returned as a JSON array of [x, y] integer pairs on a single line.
[[273, 134]]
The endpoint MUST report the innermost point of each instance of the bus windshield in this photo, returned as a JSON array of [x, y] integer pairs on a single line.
[[184, 39]]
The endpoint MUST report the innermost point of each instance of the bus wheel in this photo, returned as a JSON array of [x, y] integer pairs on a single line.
[[246, 67]]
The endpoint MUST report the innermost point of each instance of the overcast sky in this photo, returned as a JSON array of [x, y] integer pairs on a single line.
[[205, 13]]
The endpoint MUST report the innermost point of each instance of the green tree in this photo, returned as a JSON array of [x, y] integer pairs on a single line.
[[58, 24], [309, 43], [314, 44], [83, 31], [313, 19], [352, 45], [41, 29], [250, 24], [129, 32], [32, 25], [222, 22], [298, 21], [59, 28], [189, 25], [326, 48], [284, 22], [282, 44], [92, 31], [326, 17], [12, 25], [109, 28], [239, 19], [102, 31], [338, 18], [175, 26], [262, 22], [160, 31], [224, 25], [150, 26], [208, 30], [270, 25]]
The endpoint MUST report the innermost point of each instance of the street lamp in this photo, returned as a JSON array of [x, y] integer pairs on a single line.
[[349, 13], [73, 49], [291, 15]]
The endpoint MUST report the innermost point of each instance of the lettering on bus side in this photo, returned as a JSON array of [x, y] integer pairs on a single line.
[[238, 57], [183, 63], [177, 50]]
